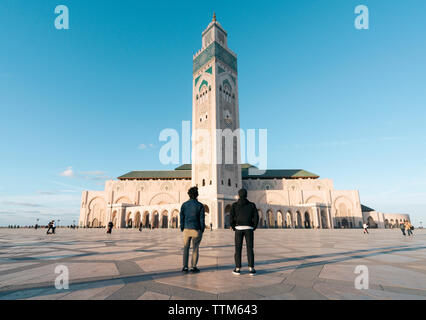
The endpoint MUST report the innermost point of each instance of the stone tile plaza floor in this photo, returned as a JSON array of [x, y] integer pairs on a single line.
[[291, 264]]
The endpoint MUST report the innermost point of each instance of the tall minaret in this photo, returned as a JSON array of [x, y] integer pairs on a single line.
[[216, 166]]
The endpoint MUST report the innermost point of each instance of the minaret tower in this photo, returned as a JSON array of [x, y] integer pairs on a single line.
[[216, 155]]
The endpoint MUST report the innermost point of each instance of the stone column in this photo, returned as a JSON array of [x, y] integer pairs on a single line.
[[330, 218]]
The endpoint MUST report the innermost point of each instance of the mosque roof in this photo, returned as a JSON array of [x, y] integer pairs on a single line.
[[184, 172], [366, 209]]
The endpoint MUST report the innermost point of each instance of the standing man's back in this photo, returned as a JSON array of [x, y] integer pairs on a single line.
[[244, 220], [192, 225]]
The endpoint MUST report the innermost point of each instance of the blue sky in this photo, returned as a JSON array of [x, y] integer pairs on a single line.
[[75, 105]]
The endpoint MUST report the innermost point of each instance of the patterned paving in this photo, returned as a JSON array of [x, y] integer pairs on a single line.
[[291, 264]]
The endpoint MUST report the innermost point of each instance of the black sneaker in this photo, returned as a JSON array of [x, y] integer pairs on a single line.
[[252, 271], [195, 270], [236, 271], [185, 269]]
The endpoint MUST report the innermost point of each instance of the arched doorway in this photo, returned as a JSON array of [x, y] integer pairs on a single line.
[[299, 220], [227, 216], [95, 223], [164, 220], [145, 220], [324, 223], [129, 220], [270, 219], [371, 223], [307, 220], [386, 224], [280, 221], [289, 220], [175, 219], [137, 219], [155, 220]]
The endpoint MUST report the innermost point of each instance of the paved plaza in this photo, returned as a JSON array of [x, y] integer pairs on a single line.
[[291, 264]]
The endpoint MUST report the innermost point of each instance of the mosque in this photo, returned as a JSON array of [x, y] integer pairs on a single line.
[[285, 198]]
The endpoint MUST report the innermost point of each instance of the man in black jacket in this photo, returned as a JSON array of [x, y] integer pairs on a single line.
[[244, 220]]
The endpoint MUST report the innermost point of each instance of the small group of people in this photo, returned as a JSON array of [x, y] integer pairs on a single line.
[[51, 226], [406, 228], [111, 225], [244, 219]]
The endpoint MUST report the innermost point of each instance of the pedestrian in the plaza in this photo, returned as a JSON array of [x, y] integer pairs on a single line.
[[402, 227], [211, 226], [244, 220], [365, 226], [110, 225], [140, 226], [192, 224], [409, 228], [53, 226], [49, 227]]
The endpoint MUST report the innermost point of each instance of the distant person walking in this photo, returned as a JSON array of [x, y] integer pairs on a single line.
[[408, 228], [140, 226], [402, 226], [110, 225], [365, 226], [49, 227], [192, 224], [53, 226], [244, 220]]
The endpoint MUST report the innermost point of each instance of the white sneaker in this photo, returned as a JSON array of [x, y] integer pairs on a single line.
[[236, 271]]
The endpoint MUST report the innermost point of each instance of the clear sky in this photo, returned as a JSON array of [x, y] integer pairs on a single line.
[[84, 105]]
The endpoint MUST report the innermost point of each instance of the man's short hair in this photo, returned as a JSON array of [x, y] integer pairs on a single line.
[[242, 193], [193, 193]]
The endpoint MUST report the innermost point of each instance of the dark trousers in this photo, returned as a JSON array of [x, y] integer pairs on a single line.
[[239, 236]]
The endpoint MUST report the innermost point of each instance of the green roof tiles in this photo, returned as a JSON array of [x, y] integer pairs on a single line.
[[184, 172], [166, 174], [280, 174]]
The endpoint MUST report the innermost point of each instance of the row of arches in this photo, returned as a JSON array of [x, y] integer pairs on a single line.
[[298, 219], [390, 224], [154, 219]]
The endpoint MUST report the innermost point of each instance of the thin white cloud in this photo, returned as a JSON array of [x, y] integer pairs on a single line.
[[142, 146], [21, 204], [68, 173]]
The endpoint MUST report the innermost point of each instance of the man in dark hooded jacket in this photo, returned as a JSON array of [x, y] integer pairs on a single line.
[[244, 219]]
